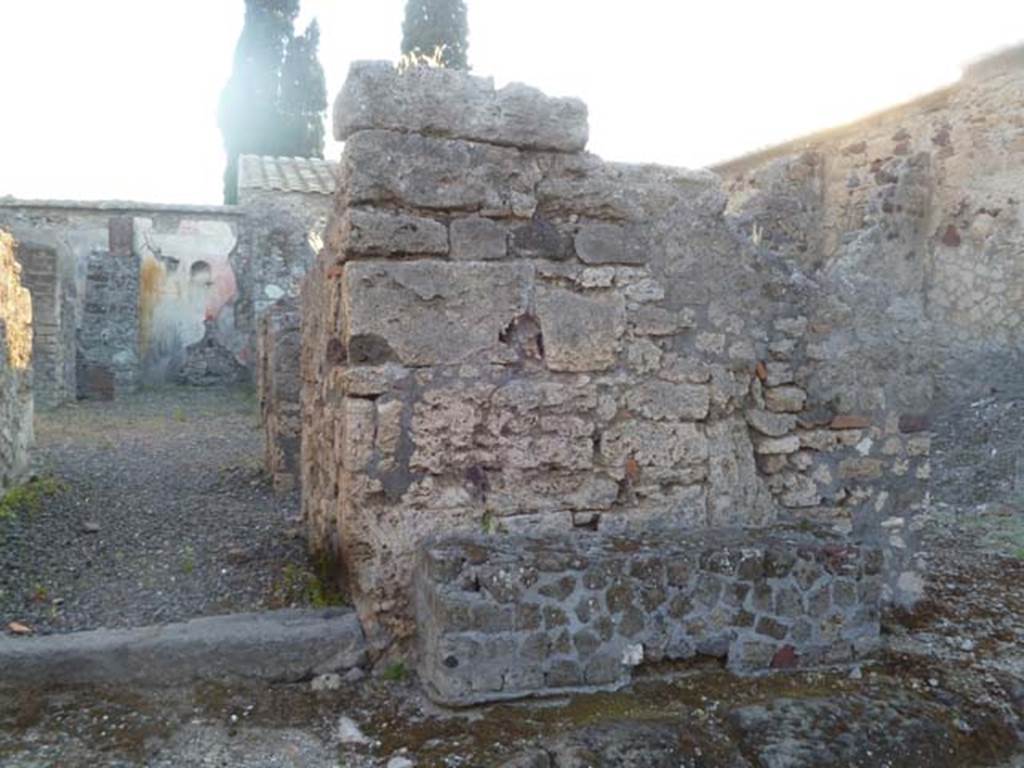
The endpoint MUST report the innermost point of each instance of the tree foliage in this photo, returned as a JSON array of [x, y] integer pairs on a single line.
[[436, 24], [276, 97], [303, 99]]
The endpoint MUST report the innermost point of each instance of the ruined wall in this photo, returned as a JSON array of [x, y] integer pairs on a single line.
[[288, 201], [506, 334], [279, 384], [919, 207], [53, 324], [521, 616], [184, 272], [911, 224], [15, 367], [108, 340]]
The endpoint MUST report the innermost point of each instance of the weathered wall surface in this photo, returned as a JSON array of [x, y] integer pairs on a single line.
[[503, 333], [911, 223], [15, 367], [917, 209], [187, 283], [108, 340], [53, 324], [288, 201], [525, 616], [203, 276], [184, 272], [279, 384]]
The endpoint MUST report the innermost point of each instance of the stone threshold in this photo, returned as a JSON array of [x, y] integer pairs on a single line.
[[275, 646]]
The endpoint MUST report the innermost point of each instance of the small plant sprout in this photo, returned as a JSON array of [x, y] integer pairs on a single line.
[[416, 59]]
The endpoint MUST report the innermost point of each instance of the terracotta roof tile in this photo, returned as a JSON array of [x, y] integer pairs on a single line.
[[307, 175]]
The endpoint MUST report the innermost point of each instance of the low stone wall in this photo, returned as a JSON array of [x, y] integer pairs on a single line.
[[53, 325], [506, 617], [15, 367], [279, 385], [506, 334]]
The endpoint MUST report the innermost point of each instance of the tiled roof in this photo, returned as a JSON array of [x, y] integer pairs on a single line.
[[309, 175]]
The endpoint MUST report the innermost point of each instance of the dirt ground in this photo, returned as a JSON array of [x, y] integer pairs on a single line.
[[149, 509], [947, 691], [154, 508]]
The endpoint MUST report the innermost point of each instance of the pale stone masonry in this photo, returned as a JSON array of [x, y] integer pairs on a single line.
[[911, 221], [16, 405], [919, 209], [505, 334], [525, 616]]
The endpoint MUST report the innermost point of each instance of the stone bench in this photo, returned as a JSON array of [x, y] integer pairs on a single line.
[[502, 617]]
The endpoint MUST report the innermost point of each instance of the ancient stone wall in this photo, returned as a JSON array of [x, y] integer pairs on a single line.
[[279, 384], [910, 225], [108, 359], [288, 201], [526, 616], [917, 211], [186, 259], [15, 367], [53, 325], [204, 275], [505, 334]]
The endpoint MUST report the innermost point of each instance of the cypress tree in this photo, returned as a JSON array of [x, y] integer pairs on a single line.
[[303, 101], [430, 24], [274, 102]]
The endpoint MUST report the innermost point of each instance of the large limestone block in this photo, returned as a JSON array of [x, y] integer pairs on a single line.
[[585, 185], [378, 233], [581, 333], [429, 312], [407, 169], [600, 243], [455, 104]]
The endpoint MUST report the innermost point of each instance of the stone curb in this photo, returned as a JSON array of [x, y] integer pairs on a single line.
[[280, 646]]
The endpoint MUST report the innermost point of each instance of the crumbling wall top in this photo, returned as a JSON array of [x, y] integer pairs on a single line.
[[454, 104]]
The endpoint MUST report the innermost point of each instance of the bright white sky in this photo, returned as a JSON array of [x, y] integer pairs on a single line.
[[118, 98]]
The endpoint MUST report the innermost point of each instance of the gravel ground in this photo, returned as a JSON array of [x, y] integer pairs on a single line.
[[157, 511], [977, 454], [948, 692]]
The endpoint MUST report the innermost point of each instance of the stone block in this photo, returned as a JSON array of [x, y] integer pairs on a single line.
[[785, 399], [654, 444], [771, 424], [431, 312], [425, 172], [778, 445], [599, 243], [587, 187], [665, 401], [478, 239], [581, 333], [379, 233], [456, 104]]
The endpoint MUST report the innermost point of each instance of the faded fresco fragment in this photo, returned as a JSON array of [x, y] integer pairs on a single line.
[[186, 280]]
